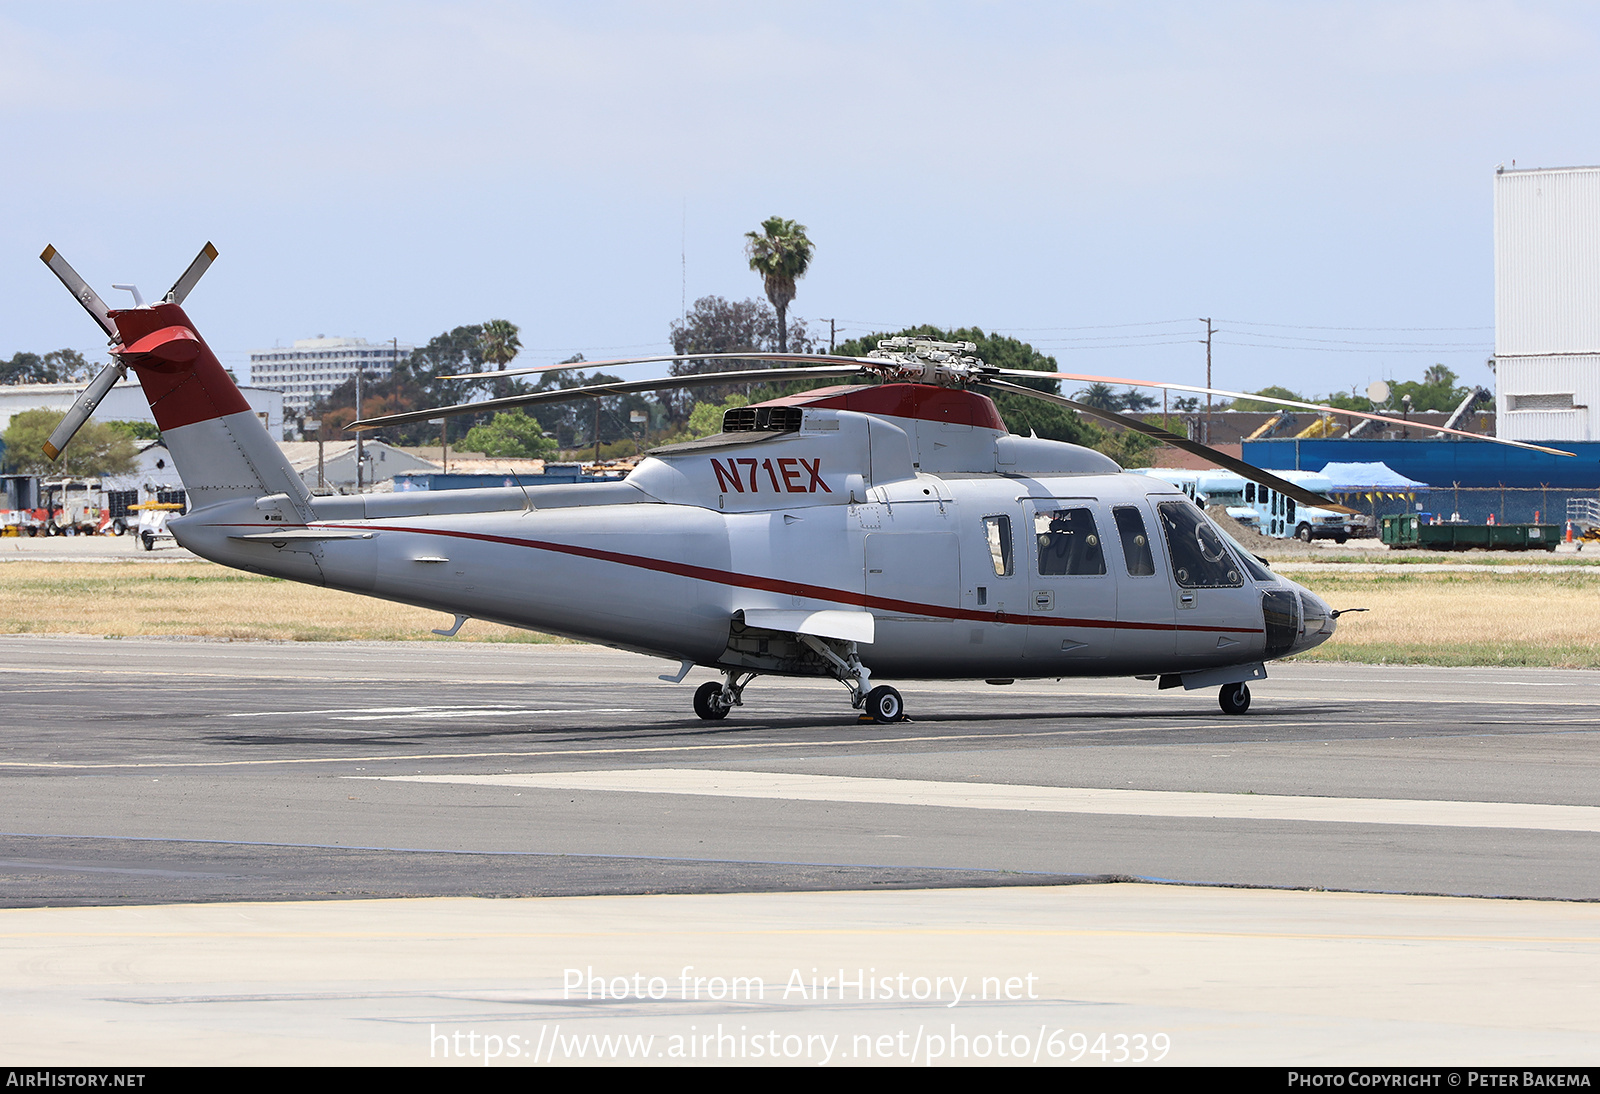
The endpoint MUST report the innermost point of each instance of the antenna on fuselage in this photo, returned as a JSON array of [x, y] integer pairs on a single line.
[[527, 500]]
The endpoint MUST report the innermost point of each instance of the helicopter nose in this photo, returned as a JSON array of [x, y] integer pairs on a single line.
[[1318, 622]]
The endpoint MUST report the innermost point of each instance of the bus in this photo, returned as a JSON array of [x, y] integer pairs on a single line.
[[1262, 509]]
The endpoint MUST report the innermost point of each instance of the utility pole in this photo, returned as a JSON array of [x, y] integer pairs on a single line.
[[322, 478], [1209, 332], [831, 332], [359, 370]]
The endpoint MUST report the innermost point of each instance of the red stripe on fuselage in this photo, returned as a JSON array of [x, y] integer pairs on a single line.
[[791, 588]]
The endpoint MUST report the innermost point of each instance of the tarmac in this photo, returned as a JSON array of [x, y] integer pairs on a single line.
[[255, 852]]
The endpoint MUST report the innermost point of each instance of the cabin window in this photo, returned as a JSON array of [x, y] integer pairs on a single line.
[[1068, 542], [1250, 493], [998, 532], [1135, 541], [1200, 560]]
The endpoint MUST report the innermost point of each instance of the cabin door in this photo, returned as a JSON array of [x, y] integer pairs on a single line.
[[1072, 603]]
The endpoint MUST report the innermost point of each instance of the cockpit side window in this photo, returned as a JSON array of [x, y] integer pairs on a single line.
[[1200, 559], [1135, 541], [1068, 543]]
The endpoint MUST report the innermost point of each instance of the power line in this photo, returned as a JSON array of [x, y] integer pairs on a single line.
[[1288, 344], [1057, 344], [1300, 326], [1414, 348]]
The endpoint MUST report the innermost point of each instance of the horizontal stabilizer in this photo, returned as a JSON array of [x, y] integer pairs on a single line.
[[306, 533]]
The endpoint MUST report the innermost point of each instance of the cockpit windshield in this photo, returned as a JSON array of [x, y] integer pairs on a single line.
[[1255, 566]]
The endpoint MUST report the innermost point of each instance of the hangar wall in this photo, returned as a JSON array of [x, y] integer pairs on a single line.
[[1547, 303]]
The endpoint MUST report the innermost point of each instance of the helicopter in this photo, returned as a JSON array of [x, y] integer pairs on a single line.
[[891, 526]]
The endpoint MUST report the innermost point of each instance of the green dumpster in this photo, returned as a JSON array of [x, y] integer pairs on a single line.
[[1407, 530]]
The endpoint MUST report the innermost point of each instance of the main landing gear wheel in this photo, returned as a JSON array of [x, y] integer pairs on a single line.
[[884, 704], [709, 703], [1235, 698]]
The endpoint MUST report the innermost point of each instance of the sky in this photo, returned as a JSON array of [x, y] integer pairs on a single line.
[[1092, 178]]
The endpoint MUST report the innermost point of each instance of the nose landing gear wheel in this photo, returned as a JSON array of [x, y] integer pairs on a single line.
[[1235, 698], [709, 703], [884, 705]]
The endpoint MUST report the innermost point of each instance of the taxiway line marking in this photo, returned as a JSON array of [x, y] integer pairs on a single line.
[[786, 786]]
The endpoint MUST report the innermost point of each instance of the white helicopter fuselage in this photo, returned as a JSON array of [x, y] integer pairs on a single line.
[[899, 521]]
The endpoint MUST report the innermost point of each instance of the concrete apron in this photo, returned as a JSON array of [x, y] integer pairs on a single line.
[[1083, 974]]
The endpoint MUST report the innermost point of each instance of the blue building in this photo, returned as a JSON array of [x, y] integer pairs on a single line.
[[554, 474], [1471, 478]]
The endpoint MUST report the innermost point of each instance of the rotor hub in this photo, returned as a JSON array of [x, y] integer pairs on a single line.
[[928, 361]]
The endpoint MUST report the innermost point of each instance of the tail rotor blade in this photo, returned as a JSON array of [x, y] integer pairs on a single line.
[[85, 406], [185, 284], [80, 290]]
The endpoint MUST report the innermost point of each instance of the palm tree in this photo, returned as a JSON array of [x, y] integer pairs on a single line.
[[1099, 396], [780, 253], [500, 345], [1135, 400]]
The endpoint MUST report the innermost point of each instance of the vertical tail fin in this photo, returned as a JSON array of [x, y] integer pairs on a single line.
[[222, 450]]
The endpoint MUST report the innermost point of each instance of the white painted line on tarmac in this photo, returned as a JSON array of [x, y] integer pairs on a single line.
[[366, 714], [1044, 799], [504, 712]]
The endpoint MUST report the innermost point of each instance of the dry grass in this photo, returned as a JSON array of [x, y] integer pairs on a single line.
[[1472, 618], [201, 598]]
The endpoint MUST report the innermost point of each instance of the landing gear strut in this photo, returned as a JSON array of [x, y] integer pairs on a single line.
[[712, 700], [1235, 698], [881, 704]]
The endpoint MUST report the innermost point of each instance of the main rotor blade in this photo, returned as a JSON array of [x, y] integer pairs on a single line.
[[1206, 452], [87, 401], [185, 284], [597, 391], [754, 355], [80, 290], [1272, 399]]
